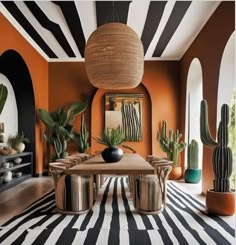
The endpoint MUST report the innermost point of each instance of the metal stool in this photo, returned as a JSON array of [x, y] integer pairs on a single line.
[[72, 194], [150, 190]]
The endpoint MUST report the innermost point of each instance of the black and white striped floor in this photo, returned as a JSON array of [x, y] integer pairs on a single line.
[[113, 220]]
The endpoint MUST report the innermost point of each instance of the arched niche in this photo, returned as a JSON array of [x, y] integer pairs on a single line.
[[13, 66], [194, 94], [143, 147], [227, 82]]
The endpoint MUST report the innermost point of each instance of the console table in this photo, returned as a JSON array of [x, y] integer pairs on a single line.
[[25, 167]]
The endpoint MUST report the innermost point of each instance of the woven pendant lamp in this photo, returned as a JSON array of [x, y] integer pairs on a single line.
[[114, 57]]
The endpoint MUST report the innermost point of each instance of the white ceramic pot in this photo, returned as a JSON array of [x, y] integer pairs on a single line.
[[7, 176], [17, 160], [5, 164], [20, 147]]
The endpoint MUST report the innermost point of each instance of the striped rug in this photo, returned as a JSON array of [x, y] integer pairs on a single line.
[[113, 220]]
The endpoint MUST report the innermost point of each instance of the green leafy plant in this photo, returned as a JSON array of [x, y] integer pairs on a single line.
[[222, 154], [3, 96], [170, 145], [82, 138], [192, 155], [110, 137], [60, 126], [15, 140]]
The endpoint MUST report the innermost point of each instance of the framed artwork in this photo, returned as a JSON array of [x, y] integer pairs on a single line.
[[125, 111]]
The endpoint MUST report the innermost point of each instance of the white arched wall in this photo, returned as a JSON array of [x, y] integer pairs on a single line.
[[193, 99], [227, 81], [9, 114]]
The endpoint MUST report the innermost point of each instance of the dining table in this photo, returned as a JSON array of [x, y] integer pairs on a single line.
[[132, 164]]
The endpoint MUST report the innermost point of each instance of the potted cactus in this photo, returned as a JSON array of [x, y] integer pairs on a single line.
[[82, 138], [192, 173], [220, 200], [60, 126], [172, 147]]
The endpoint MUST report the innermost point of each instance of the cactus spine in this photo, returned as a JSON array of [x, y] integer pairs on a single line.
[[222, 154], [170, 145], [192, 159]]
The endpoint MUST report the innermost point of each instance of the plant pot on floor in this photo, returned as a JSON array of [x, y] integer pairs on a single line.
[[175, 173], [220, 203], [112, 154], [192, 175]]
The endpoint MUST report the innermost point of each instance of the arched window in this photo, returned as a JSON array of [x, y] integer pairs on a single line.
[[193, 100]]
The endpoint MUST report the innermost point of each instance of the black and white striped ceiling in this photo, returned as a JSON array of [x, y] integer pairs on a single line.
[[58, 30]]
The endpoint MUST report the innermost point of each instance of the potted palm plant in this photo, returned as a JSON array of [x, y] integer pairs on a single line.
[[111, 138], [17, 141], [172, 147], [192, 173], [221, 199]]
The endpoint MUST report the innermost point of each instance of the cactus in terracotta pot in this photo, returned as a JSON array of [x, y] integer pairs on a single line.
[[171, 145], [222, 154], [192, 173]]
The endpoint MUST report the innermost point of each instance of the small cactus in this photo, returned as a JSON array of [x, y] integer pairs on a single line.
[[192, 159], [170, 145], [222, 154], [83, 136]]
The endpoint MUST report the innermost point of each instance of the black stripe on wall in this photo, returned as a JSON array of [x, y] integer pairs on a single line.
[[112, 11], [155, 12], [177, 14], [51, 26], [73, 21], [20, 18]]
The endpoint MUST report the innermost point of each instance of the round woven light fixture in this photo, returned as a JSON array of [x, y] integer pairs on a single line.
[[114, 57]]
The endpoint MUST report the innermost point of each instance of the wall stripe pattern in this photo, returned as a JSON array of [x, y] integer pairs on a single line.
[[53, 16], [114, 221]]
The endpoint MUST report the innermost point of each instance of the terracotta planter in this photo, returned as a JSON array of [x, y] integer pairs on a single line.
[[220, 203], [175, 173]]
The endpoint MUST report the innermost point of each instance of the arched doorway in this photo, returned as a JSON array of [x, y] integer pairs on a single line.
[[194, 96], [15, 69], [227, 94]]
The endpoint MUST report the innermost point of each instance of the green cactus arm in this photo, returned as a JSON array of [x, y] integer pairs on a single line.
[[163, 144], [205, 134], [3, 96]]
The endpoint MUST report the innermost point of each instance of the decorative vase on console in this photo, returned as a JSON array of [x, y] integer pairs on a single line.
[[18, 141]]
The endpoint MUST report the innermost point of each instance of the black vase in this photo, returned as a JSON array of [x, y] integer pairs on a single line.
[[112, 154]]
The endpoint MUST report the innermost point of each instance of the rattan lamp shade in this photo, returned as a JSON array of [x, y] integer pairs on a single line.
[[114, 57]]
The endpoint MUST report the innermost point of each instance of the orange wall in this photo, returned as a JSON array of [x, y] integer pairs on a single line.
[[38, 68], [208, 47], [68, 83]]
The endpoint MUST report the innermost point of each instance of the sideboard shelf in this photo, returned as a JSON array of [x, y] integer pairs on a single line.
[[25, 167]]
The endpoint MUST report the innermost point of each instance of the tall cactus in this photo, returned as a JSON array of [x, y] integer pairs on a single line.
[[3, 96], [170, 145], [83, 136], [192, 159], [222, 154]]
